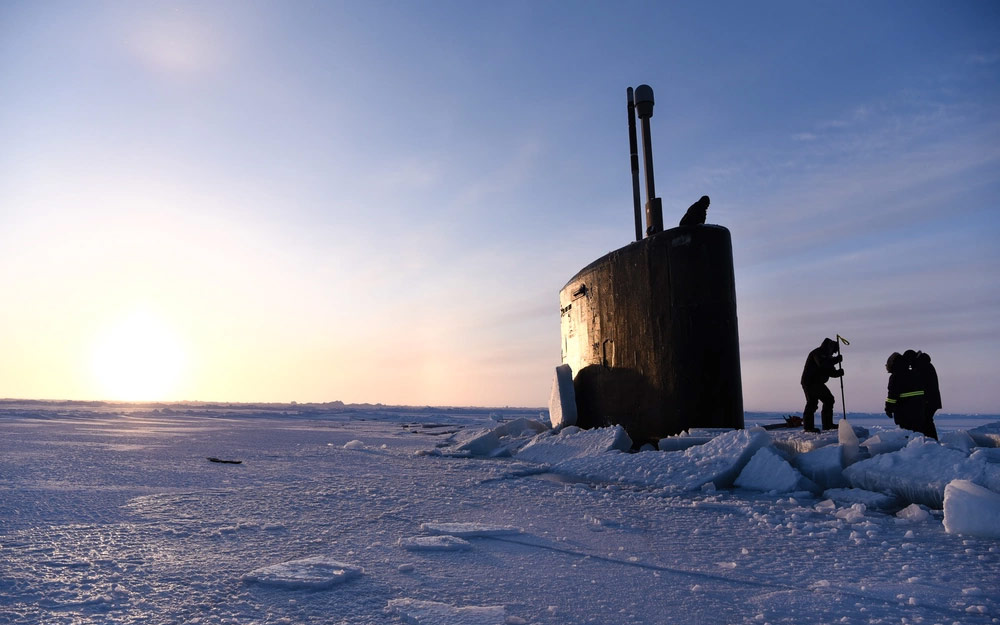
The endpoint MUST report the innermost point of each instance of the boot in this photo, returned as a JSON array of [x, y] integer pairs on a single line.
[[809, 422], [827, 418]]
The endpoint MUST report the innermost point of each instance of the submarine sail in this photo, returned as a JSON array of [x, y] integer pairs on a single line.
[[650, 330]]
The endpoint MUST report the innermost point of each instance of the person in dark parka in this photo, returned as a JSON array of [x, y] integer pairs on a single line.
[[905, 400], [696, 213], [818, 370], [932, 393]]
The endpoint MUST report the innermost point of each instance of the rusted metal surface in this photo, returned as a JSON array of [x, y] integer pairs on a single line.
[[650, 331]]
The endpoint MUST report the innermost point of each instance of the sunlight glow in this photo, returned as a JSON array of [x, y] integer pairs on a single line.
[[177, 43], [138, 357]]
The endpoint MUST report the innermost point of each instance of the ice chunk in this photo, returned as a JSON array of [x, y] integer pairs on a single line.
[[728, 453], [707, 432], [469, 529], [717, 462], [919, 472], [986, 435], [682, 442], [574, 443], [497, 442], [971, 509], [434, 543], [792, 442], [418, 612], [959, 440], [872, 500], [479, 442], [520, 427], [846, 434], [308, 573], [767, 471], [914, 513], [888, 441], [987, 454], [562, 401], [852, 514], [850, 451], [823, 466], [827, 505]]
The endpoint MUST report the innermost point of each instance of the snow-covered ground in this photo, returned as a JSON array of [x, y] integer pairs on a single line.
[[466, 516]]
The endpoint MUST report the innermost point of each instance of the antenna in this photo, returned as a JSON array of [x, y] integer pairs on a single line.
[[654, 207], [633, 145]]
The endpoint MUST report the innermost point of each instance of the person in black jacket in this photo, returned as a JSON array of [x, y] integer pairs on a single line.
[[696, 213], [905, 400], [819, 368], [932, 393]]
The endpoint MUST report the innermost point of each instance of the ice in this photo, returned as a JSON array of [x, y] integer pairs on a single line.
[[481, 442], [823, 466], [470, 529], [888, 441], [520, 427], [987, 435], [419, 612], [919, 472], [849, 444], [500, 441], [852, 514], [827, 505], [312, 573], [971, 509], [117, 517], [434, 543], [794, 441], [707, 432], [959, 440], [572, 442], [562, 401], [873, 500], [722, 459], [846, 434], [986, 454], [914, 513], [681, 442], [717, 462], [768, 471]]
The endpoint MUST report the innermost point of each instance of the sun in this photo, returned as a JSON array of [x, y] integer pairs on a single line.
[[138, 357]]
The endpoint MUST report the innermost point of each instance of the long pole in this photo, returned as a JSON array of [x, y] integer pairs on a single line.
[[633, 145], [843, 403]]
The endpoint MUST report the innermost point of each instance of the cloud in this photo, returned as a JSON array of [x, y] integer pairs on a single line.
[[866, 190]]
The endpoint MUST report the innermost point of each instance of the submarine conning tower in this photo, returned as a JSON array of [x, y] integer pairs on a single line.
[[650, 330]]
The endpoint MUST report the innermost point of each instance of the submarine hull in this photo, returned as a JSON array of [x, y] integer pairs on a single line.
[[650, 332]]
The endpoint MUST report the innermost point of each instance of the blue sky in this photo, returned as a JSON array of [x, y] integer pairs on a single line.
[[379, 201]]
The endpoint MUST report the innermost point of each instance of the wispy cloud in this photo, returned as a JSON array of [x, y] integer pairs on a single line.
[[891, 175]]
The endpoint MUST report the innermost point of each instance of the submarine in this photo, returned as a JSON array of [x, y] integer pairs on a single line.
[[650, 330]]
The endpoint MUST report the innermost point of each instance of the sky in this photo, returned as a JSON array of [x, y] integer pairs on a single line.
[[380, 201]]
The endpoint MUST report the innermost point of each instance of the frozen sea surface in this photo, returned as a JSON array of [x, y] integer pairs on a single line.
[[110, 515]]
